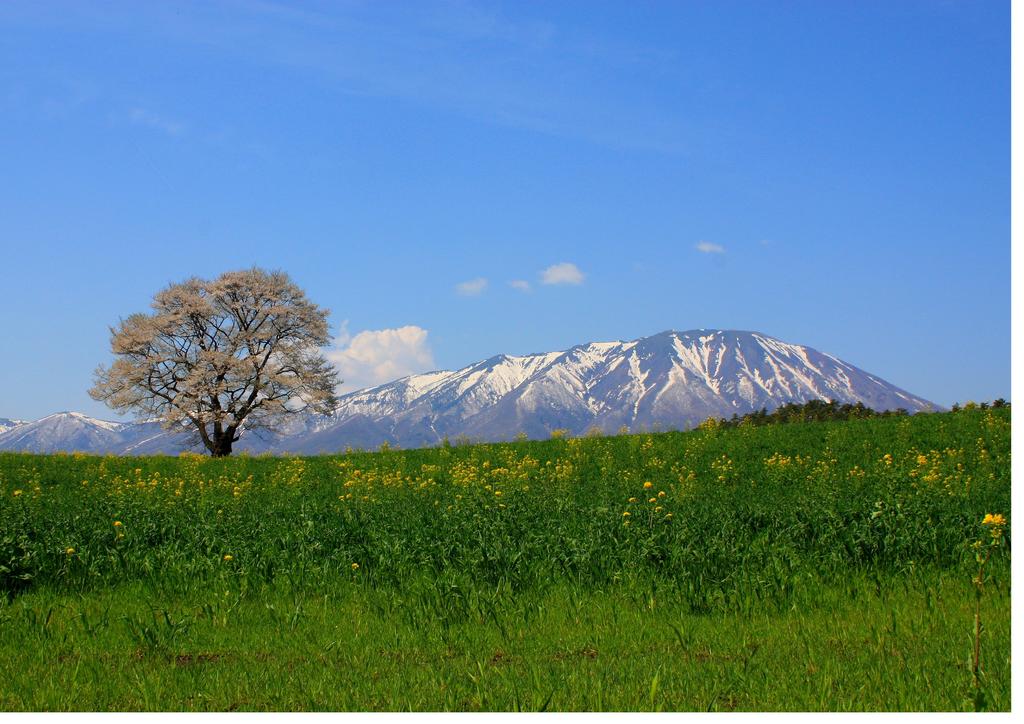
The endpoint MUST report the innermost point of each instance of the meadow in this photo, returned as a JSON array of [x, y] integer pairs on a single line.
[[807, 566]]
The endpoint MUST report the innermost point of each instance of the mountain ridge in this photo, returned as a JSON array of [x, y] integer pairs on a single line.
[[668, 380]]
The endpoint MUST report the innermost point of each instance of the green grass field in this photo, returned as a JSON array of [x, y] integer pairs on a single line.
[[815, 566]]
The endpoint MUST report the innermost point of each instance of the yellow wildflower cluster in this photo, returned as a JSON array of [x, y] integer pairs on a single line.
[[468, 482], [822, 468], [189, 482], [942, 471], [996, 523], [655, 463], [723, 469], [778, 460], [996, 520], [685, 475], [291, 474], [652, 502]]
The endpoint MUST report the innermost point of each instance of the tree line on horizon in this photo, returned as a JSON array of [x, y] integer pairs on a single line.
[[825, 411]]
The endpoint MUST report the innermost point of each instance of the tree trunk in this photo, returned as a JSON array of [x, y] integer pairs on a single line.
[[220, 446]]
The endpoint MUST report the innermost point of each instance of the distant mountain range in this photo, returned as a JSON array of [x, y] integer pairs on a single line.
[[671, 380]]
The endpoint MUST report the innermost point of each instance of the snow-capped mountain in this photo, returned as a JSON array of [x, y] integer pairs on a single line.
[[671, 380], [68, 431], [6, 424]]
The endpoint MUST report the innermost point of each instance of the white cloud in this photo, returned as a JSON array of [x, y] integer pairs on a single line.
[[143, 117], [520, 284], [564, 273], [471, 288], [706, 247], [375, 356]]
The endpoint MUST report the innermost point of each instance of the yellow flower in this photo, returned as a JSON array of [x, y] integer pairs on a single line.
[[632, 500], [922, 459], [668, 516], [117, 524], [625, 514], [887, 459], [355, 566], [229, 557], [661, 493], [653, 500], [70, 551], [996, 519], [17, 493], [497, 493], [648, 485]]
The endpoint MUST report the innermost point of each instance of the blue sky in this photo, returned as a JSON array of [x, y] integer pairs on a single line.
[[835, 174]]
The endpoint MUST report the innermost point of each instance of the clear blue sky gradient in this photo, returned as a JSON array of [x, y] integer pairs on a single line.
[[852, 159]]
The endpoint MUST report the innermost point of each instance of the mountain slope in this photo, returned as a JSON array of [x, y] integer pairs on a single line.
[[671, 380], [68, 432]]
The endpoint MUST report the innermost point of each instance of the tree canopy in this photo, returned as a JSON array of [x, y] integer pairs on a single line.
[[241, 351]]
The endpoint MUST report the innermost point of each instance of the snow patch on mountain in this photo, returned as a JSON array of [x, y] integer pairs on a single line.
[[6, 424]]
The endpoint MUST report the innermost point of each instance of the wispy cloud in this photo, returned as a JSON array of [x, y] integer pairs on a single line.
[[375, 356], [520, 284], [471, 288], [706, 247], [564, 273], [156, 121], [475, 59]]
